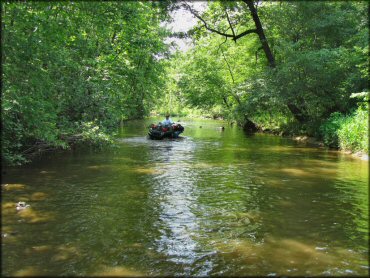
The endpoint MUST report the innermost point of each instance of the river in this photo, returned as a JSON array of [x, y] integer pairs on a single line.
[[214, 202]]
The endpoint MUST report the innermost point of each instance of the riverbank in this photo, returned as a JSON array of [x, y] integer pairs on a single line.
[[90, 136], [317, 143]]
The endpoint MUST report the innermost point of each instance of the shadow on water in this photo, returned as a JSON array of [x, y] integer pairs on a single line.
[[210, 203]]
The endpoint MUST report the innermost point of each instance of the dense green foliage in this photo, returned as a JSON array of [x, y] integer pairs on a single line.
[[353, 134], [321, 56], [348, 132], [72, 70], [329, 129], [77, 68]]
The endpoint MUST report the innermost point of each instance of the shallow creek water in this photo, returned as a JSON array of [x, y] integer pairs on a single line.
[[210, 203]]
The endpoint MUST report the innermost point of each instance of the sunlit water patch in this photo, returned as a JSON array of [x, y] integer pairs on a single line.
[[214, 202]]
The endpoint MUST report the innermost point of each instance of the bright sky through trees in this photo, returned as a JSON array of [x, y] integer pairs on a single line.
[[182, 21]]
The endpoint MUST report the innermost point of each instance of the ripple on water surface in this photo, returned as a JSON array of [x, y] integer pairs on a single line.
[[210, 203]]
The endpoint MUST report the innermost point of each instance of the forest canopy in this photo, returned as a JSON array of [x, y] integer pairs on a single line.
[[72, 70], [77, 68], [315, 65]]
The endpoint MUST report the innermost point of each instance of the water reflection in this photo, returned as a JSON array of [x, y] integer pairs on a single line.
[[211, 203], [176, 188]]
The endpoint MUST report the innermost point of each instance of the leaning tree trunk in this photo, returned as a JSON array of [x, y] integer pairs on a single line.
[[249, 126], [296, 112], [261, 33]]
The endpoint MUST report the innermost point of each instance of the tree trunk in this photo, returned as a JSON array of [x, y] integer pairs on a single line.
[[249, 126], [261, 33], [297, 113], [226, 103]]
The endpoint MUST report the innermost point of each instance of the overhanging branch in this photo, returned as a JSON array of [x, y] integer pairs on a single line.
[[205, 24], [245, 33]]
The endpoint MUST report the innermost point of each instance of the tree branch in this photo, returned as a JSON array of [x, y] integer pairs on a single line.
[[228, 20], [221, 44], [233, 36], [245, 33], [259, 48], [232, 77], [190, 9], [228, 66]]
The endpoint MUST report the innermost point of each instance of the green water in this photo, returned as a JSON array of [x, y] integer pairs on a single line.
[[211, 203]]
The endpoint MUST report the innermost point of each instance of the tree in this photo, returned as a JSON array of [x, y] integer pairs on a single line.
[[69, 68], [312, 68], [225, 10]]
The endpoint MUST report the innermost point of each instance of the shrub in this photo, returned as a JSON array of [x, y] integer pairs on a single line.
[[93, 135], [353, 132], [347, 132], [329, 129]]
